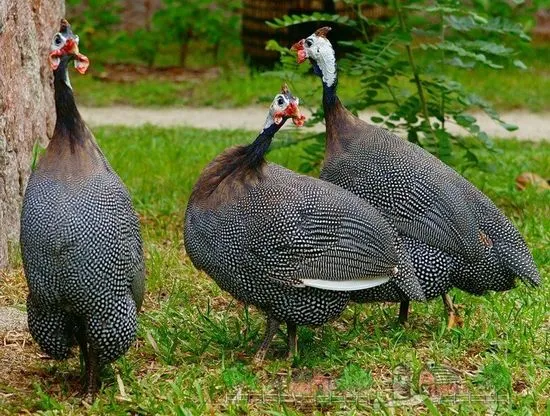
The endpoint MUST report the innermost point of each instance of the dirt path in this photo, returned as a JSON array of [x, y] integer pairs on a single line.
[[533, 126], [12, 319]]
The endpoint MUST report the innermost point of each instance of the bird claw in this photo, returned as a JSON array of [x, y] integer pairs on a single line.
[[455, 321], [259, 358]]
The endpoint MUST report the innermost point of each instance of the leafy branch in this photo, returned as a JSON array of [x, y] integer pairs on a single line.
[[403, 67]]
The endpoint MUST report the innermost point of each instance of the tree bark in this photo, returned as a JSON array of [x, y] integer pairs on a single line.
[[27, 112]]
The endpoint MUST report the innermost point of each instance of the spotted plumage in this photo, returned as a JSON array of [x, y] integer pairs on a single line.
[[454, 234], [80, 239], [292, 245]]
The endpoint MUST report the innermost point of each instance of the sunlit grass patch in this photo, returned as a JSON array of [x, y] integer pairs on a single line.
[[195, 343], [507, 89]]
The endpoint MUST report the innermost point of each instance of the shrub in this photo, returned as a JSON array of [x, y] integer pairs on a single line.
[[185, 20], [404, 67]]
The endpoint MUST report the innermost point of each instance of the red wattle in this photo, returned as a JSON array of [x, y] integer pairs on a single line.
[[302, 56]]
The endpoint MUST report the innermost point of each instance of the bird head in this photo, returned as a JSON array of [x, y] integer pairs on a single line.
[[65, 46], [320, 53], [285, 106], [315, 47]]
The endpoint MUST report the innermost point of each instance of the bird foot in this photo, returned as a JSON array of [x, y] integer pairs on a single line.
[[88, 397], [259, 358], [455, 321]]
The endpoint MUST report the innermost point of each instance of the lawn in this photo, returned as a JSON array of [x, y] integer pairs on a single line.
[[195, 345], [238, 86]]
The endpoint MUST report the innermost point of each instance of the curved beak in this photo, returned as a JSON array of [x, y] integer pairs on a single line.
[[301, 51]]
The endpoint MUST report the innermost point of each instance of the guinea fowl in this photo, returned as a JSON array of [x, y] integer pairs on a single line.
[[80, 239], [454, 234], [291, 245]]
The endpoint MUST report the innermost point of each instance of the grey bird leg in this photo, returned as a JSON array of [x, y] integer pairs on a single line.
[[292, 339], [272, 327], [403, 312], [454, 319], [80, 336], [247, 322], [93, 373]]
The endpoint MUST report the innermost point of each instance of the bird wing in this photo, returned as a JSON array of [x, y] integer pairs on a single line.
[[316, 234], [132, 245], [413, 189], [439, 216]]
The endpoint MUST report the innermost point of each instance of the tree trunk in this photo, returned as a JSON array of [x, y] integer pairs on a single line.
[[137, 14], [185, 38], [27, 113]]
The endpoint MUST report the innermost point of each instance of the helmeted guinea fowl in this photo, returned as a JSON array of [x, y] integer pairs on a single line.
[[80, 238], [454, 234], [292, 245]]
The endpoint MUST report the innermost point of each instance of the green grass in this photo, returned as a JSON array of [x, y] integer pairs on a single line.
[[227, 91], [237, 86], [195, 345]]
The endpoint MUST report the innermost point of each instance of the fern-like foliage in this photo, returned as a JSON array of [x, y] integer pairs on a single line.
[[415, 95], [287, 21]]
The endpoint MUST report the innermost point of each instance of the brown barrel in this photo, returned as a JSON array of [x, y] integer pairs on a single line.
[[255, 33]]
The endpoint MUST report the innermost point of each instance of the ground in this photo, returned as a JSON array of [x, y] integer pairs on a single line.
[[532, 126], [195, 344]]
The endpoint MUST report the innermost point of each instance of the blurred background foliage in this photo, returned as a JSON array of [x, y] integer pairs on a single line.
[[150, 31], [141, 32], [420, 64], [402, 63]]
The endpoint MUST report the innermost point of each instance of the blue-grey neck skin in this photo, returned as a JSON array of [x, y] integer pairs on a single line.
[[69, 123], [256, 151], [272, 128], [329, 92]]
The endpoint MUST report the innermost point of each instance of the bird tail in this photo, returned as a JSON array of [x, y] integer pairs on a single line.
[[520, 262], [506, 242], [113, 331], [49, 328], [404, 285]]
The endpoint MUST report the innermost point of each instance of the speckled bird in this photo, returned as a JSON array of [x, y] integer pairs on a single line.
[[80, 238], [292, 245], [455, 235]]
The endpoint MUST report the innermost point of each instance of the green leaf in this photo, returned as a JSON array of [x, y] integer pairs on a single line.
[[496, 25], [474, 128], [459, 63], [459, 50], [508, 126], [292, 20], [478, 19], [487, 47], [273, 45], [519, 64], [376, 119], [444, 144], [485, 139], [465, 120]]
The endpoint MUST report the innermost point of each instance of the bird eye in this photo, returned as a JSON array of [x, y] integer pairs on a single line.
[[309, 42], [280, 101], [57, 40]]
